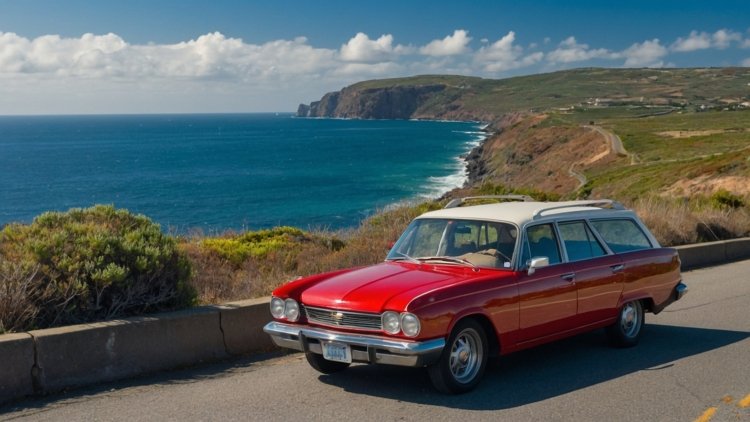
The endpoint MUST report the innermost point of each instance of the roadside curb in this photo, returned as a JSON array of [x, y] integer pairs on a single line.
[[51, 360]]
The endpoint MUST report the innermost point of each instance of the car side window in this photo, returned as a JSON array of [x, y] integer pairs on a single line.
[[542, 241], [621, 235], [579, 242]]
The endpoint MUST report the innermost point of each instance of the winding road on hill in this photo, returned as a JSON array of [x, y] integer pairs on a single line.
[[692, 362], [614, 144]]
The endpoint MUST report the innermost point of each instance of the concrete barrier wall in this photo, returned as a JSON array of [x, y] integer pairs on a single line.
[[44, 361], [16, 363], [85, 354], [712, 253]]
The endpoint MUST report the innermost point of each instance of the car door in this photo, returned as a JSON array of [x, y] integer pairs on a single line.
[[598, 276], [547, 296]]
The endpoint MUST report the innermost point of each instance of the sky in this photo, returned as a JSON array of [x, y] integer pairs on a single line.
[[186, 56]]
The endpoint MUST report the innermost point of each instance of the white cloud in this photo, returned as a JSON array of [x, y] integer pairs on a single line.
[[720, 39], [209, 56], [361, 48], [645, 54], [696, 41], [746, 62], [504, 55], [214, 72], [723, 37], [449, 46], [571, 51]]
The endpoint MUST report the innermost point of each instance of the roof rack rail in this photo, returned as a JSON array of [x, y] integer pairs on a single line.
[[458, 201], [600, 203]]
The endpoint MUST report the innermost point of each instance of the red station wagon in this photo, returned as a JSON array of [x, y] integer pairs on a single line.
[[470, 282]]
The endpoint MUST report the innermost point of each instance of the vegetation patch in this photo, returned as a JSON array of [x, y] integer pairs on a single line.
[[86, 265]]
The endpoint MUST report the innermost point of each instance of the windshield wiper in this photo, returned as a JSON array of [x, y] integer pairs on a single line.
[[406, 257], [449, 259]]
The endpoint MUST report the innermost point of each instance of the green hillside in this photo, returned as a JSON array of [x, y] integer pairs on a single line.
[[676, 87]]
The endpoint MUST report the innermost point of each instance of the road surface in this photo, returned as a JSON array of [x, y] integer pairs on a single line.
[[693, 363]]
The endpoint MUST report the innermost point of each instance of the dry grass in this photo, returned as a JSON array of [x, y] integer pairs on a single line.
[[218, 278], [680, 221]]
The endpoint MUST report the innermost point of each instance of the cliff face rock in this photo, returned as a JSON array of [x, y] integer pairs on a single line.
[[397, 102]]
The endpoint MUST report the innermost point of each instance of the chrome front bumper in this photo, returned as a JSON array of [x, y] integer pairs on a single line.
[[365, 348]]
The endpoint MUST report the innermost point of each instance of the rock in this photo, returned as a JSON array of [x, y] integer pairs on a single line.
[[396, 102]]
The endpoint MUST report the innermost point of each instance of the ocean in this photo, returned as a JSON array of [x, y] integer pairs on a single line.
[[227, 172]]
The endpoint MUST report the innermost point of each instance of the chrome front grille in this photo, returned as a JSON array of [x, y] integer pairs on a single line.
[[344, 319]]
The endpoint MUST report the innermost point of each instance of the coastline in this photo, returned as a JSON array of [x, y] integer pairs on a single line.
[[466, 165]]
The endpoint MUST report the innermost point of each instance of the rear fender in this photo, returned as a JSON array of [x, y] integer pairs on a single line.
[[647, 300]]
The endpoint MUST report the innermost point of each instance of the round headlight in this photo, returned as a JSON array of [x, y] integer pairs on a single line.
[[391, 324], [277, 307], [291, 310], [409, 324]]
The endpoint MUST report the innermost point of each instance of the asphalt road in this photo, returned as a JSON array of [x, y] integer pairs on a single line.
[[693, 363]]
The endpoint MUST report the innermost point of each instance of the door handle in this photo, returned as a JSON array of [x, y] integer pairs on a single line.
[[568, 276], [617, 268]]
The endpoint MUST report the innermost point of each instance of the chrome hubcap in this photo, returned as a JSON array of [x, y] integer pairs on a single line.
[[629, 319], [465, 356]]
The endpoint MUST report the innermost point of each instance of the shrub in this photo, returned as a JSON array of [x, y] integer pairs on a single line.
[[725, 199], [91, 264], [258, 244]]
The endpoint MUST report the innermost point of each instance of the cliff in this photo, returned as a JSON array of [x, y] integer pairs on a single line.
[[397, 102]]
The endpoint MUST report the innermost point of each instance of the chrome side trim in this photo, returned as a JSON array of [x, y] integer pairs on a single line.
[[365, 348]]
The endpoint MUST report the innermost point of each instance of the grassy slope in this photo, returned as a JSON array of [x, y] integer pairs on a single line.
[[566, 88]]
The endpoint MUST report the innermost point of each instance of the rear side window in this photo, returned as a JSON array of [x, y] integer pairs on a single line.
[[621, 235], [579, 242]]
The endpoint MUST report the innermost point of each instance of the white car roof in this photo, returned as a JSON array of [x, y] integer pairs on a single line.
[[521, 213]]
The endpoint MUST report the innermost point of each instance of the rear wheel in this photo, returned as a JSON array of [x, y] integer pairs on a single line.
[[463, 361], [626, 331], [320, 364]]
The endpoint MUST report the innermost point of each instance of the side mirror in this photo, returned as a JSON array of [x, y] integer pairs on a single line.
[[537, 262]]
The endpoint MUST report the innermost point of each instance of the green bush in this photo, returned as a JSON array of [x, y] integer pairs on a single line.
[[258, 244], [91, 264], [725, 199]]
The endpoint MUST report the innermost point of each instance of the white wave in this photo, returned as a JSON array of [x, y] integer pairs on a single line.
[[438, 186]]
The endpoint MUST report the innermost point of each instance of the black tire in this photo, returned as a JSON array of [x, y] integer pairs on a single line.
[[626, 331], [320, 364], [463, 361]]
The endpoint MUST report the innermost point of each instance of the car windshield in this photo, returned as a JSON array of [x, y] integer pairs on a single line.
[[474, 243]]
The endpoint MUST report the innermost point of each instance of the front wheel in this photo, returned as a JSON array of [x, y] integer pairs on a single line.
[[463, 361], [626, 331], [320, 364]]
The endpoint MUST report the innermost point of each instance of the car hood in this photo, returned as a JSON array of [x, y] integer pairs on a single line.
[[370, 289]]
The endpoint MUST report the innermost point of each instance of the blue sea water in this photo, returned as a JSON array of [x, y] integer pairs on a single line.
[[220, 172]]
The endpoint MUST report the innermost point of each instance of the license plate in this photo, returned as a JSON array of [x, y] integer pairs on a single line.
[[337, 352]]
